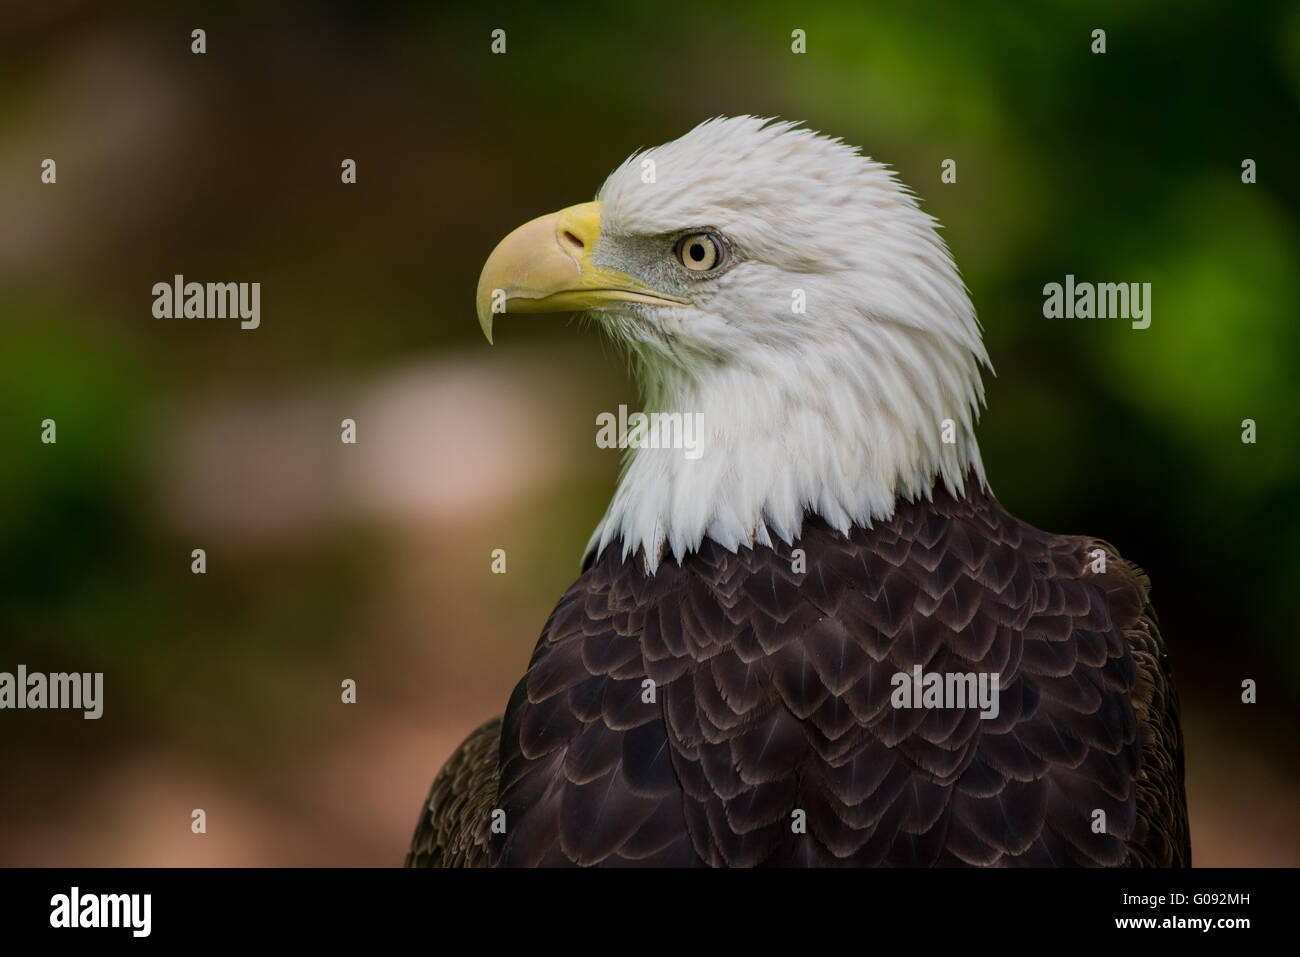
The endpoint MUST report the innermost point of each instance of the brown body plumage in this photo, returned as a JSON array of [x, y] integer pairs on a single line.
[[771, 695]]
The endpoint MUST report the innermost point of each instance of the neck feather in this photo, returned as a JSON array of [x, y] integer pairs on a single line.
[[841, 430]]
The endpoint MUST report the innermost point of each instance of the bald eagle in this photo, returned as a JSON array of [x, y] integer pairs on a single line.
[[757, 663]]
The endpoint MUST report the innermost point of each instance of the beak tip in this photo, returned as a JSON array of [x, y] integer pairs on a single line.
[[483, 308]]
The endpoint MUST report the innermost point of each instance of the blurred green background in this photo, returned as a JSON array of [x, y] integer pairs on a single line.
[[328, 561]]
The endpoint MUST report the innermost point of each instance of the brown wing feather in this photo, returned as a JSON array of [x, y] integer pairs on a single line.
[[456, 816], [731, 710], [1162, 837]]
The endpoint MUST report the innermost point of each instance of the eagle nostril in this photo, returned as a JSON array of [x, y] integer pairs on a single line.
[[573, 240]]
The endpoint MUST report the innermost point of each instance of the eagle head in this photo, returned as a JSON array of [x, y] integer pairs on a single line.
[[790, 293]]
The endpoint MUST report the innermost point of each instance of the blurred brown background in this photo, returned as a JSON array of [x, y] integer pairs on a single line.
[[328, 561]]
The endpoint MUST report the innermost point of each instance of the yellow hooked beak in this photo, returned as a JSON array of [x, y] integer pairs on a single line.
[[545, 266]]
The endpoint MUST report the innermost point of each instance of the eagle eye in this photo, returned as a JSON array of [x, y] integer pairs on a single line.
[[699, 252]]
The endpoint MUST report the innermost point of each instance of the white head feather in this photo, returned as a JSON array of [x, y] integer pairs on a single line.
[[835, 411]]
